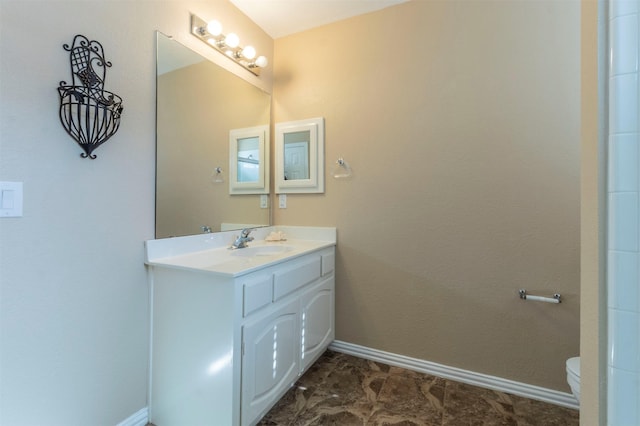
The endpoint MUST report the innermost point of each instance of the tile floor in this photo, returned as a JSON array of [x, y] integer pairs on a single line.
[[343, 390]]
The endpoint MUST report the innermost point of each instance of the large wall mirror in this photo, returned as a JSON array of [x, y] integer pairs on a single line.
[[198, 105]]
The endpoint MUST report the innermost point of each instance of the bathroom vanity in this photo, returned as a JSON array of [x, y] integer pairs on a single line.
[[232, 330]]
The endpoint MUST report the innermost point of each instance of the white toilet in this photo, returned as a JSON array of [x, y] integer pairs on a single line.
[[573, 376]]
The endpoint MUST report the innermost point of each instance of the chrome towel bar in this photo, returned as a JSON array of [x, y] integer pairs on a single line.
[[555, 299]]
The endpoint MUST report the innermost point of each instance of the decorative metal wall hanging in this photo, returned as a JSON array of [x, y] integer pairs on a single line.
[[90, 114]]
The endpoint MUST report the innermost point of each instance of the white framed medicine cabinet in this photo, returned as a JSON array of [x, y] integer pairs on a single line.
[[249, 160], [299, 156]]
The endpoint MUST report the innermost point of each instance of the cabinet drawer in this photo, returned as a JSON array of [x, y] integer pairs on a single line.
[[297, 276], [257, 292]]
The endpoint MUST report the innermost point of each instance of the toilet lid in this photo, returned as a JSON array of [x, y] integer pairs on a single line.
[[573, 366]]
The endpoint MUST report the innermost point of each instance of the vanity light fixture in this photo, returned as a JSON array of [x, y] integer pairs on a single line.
[[211, 33]]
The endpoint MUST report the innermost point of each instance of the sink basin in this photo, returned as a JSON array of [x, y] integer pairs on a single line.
[[261, 251]]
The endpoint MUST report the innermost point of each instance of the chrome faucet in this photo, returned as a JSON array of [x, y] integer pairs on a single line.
[[243, 239]]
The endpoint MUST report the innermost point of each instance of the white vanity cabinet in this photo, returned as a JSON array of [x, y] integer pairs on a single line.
[[270, 362], [317, 321], [225, 348]]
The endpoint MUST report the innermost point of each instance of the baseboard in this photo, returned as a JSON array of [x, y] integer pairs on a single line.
[[477, 379], [140, 418]]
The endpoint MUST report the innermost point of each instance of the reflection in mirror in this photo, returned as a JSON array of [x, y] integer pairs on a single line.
[[299, 157], [248, 164], [249, 160], [296, 155], [198, 104]]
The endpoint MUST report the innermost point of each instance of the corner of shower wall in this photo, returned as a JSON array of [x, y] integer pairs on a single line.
[[623, 214]]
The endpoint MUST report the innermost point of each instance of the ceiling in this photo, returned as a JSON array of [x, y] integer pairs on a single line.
[[279, 18]]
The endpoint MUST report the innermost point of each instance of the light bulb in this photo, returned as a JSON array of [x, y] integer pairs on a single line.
[[232, 40], [214, 28], [261, 61], [249, 52]]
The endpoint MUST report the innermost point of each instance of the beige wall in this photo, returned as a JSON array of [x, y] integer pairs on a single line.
[[74, 297], [593, 339], [461, 121]]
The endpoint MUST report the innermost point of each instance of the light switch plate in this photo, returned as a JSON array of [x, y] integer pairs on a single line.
[[282, 201], [264, 201], [10, 199]]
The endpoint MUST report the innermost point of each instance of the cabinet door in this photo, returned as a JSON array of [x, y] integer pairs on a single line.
[[316, 321], [270, 361]]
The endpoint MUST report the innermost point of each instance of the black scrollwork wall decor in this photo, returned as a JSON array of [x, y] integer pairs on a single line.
[[90, 114]]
